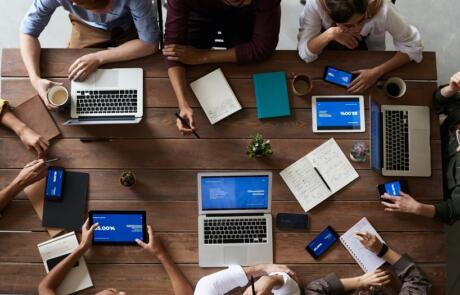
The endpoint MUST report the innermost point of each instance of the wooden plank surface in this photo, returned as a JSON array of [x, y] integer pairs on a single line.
[[162, 159]]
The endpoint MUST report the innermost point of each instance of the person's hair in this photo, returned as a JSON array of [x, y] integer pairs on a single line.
[[341, 11], [92, 4], [375, 290]]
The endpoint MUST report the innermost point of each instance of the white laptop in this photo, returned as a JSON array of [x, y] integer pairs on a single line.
[[235, 221], [108, 96]]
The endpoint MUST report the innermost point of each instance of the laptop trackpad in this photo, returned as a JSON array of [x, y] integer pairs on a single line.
[[107, 78], [235, 255], [420, 140]]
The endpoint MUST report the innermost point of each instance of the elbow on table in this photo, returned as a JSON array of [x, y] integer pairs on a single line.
[[305, 54], [44, 290], [256, 53]]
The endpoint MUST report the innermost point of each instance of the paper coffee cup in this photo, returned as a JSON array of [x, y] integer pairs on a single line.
[[58, 96], [395, 87]]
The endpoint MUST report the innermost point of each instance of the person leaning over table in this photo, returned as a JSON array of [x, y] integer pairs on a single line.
[[30, 139], [413, 280], [446, 101], [129, 26], [358, 25], [250, 30]]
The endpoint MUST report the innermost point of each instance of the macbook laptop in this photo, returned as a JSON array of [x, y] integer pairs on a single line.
[[400, 139], [235, 221], [108, 96]]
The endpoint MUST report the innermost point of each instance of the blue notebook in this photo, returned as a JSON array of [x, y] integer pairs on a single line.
[[271, 95]]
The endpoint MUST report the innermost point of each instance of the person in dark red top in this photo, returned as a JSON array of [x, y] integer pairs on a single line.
[[249, 28]]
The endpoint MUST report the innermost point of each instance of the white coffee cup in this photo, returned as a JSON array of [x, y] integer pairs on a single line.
[[395, 87], [58, 96]]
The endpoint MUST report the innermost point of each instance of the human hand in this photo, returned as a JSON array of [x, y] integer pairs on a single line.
[[185, 54], [32, 140], [87, 235], [377, 277], [186, 113], [266, 269], [369, 241], [42, 86], [265, 285], [84, 66], [364, 81], [346, 38], [31, 173], [403, 203], [154, 246]]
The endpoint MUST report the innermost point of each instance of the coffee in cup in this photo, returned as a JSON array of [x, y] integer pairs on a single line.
[[395, 87], [301, 85], [58, 96]]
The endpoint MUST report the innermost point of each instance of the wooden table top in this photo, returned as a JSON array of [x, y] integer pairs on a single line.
[[166, 164]]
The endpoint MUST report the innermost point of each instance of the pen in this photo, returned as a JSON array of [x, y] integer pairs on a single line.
[[317, 171], [186, 124], [46, 161], [94, 139], [252, 284], [52, 160]]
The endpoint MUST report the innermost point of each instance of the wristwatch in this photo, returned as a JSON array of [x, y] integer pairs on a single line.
[[383, 251]]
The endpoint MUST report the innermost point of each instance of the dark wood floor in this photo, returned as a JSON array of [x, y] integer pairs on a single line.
[[166, 165]]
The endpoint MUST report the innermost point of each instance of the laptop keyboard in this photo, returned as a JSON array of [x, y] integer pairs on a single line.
[[107, 102], [397, 140], [238, 230]]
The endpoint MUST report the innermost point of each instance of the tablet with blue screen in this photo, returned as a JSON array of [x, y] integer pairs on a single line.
[[118, 227], [338, 114]]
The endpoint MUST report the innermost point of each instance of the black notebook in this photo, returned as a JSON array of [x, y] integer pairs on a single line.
[[68, 213]]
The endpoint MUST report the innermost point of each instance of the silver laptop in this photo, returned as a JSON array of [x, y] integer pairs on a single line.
[[111, 96], [400, 140], [235, 221]]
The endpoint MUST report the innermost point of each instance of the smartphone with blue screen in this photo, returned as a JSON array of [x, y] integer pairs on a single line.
[[54, 183], [337, 77], [322, 242], [393, 188]]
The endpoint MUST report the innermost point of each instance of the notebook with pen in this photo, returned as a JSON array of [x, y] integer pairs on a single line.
[[272, 97], [319, 174], [367, 260]]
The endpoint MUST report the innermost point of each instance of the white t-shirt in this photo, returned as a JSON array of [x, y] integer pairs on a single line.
[[224, 281], [406, 38]]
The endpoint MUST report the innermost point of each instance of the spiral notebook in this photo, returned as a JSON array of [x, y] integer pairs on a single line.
[[365, 258]]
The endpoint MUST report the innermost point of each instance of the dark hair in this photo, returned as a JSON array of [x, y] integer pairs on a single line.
[[342, 10]]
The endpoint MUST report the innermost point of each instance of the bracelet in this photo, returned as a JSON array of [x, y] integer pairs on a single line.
[[383, 251]]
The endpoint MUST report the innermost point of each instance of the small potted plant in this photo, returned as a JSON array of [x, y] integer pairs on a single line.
[[127, 179], [359, 152], [259, 147]]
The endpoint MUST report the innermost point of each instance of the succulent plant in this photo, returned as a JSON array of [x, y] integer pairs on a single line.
[[259, 147], [127, 178]]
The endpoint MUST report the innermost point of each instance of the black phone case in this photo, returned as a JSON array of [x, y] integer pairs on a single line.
[[404, 187], [291, 221], [353, 76], [313, 253]]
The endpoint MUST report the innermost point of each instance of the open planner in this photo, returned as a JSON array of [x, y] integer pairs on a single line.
[[365, 258], [54, 251], [319, 174]]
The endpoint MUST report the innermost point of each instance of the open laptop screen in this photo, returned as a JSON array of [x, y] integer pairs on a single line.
[[376, 136], [235, 192]]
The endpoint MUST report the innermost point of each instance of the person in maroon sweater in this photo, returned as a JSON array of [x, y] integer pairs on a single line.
[[249, 28]]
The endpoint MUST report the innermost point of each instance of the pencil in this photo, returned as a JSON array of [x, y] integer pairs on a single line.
[[186, 124], [252, 284]]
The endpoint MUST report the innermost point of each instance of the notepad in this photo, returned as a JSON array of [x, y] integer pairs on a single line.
[[215, 95], [311, 186], [365, 258], [271, 95], [55, 250]]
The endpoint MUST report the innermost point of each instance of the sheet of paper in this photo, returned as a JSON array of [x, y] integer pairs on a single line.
[[305, 184], [365, 258], [215, 95], [333, 165]]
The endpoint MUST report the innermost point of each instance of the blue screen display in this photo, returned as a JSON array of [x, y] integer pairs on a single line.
[[393, 188], [116, 228], [234, 192], [322, 242], [54, 182], [376, 146], [339, 77], [338, 113]]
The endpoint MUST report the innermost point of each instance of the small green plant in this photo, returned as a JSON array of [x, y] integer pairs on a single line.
[[127, 178], [259, 147]]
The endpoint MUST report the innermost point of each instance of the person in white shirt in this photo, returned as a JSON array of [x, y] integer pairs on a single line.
[[358, 24], [273, 279]]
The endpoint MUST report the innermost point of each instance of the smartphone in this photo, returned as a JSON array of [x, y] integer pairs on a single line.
[[322, 242], [337, 77], [54, 183], [393, 188], [291, 221]]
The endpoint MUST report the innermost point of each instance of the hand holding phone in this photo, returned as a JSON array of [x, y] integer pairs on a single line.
[[393, 188], [337, 77]]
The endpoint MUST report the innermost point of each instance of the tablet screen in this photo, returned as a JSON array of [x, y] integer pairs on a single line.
[[118, 227], [338, 113]]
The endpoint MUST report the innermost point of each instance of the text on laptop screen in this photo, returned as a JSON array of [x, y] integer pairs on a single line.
[[234, 192], [118, 227], [376, 136], [338, 113]]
